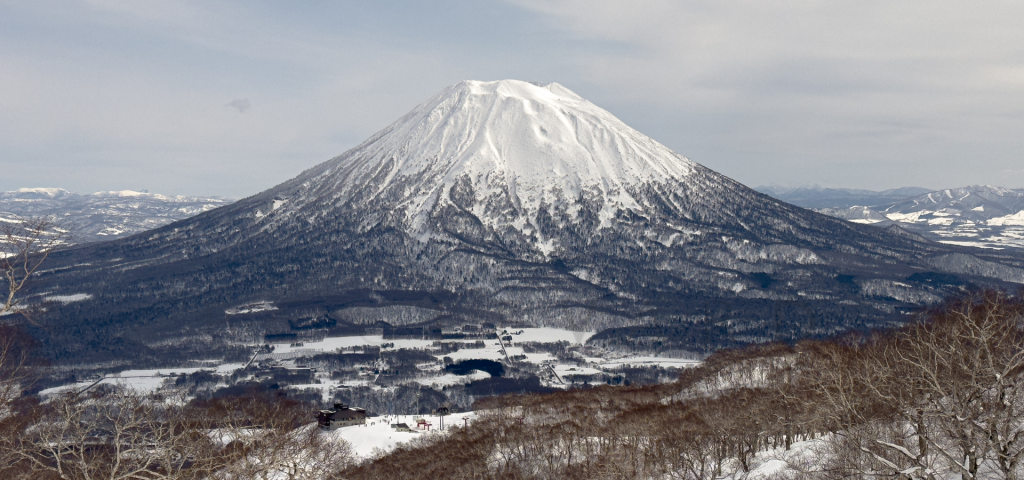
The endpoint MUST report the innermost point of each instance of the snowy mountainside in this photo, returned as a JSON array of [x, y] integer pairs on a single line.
[[514, 148], [105, 215], [976, 215], [977, 204], [515, 203]]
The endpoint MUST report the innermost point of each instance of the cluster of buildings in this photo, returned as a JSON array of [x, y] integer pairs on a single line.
[[341, 416]]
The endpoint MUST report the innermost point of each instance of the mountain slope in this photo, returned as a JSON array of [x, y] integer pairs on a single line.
[[502, 201], [977, 215], [105, 215]]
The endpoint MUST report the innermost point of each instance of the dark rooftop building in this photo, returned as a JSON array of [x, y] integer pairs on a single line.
[[341, 416]]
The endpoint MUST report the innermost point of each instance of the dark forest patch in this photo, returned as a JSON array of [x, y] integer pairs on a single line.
[[464, 367]]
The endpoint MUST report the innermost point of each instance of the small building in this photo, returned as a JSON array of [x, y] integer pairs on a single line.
[[401, 427], [341, 416]]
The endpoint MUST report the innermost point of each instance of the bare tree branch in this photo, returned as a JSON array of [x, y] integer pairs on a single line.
[[25, 243]]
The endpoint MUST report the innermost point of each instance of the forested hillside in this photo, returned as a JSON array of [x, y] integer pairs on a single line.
[[940, 398]]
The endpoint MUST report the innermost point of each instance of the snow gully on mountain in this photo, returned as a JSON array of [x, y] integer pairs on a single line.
[[542, 146]]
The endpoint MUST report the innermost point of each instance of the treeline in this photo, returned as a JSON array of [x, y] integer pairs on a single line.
[[940, 397], [116, 433]]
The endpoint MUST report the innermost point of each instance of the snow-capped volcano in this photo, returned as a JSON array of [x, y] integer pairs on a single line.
[[517, 203], [515, 147], [535, 169], [538, 146]]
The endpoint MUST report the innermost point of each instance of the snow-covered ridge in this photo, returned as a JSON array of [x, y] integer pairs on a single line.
[[537, 145], [145, 195], [133, 194], [49, 192], [1013, 219], [105, 215], [976, 215]]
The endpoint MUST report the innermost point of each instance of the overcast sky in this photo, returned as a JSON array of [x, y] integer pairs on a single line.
[[230, 98]]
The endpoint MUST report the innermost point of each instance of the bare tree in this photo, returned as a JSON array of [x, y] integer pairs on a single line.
[[118, 434], [25, 243], [944, 392], [969, 361], [15, 366], [266, 437]]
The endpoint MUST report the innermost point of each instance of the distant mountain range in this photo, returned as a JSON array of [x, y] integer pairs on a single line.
[[976, 216], [815, 197], [105, 215]]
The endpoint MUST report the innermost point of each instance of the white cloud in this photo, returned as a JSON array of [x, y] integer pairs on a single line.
[[96, 117], [867, 94], [876, 93]]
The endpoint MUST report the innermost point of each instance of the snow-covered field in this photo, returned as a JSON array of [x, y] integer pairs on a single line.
[[144, 381], [549, 335], [377, 436], [432, 375], [665, 362], [65, 299], [996, 233], [526, 349], [449, 379], [493, 349]]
